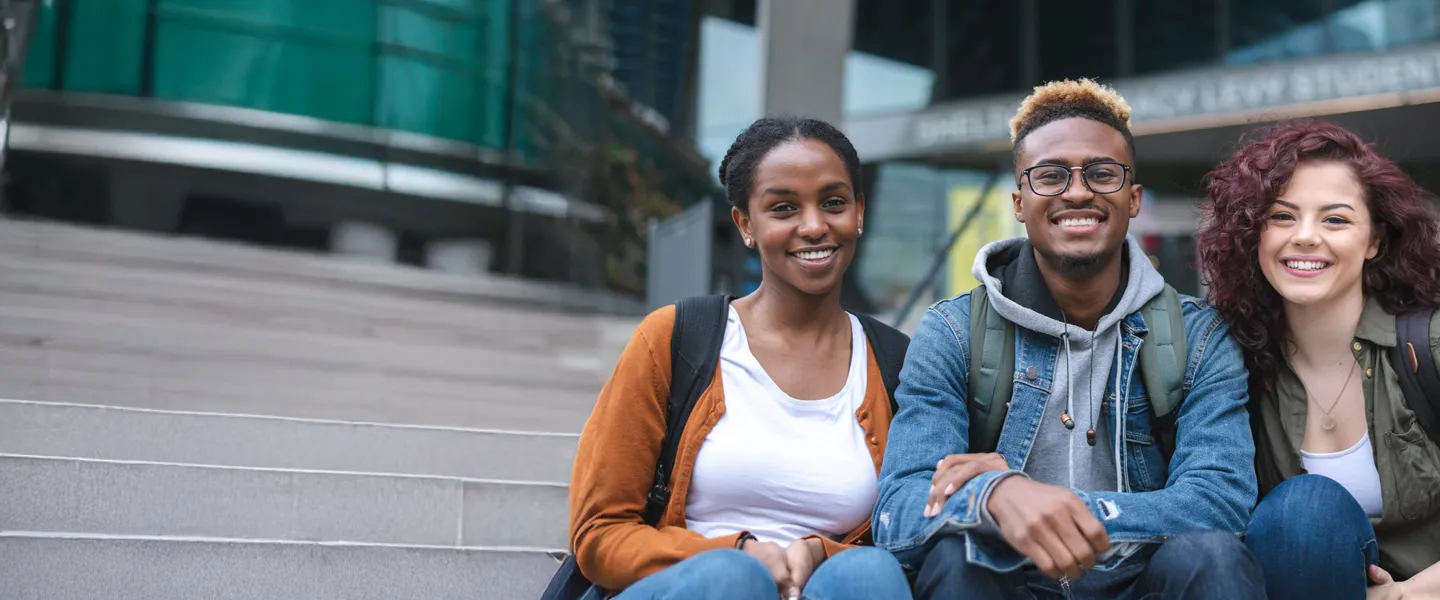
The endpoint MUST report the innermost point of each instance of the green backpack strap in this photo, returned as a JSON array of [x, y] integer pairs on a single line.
[[1163, 357], [992, 371]]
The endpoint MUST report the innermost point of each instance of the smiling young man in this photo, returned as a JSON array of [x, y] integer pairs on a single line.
[[1006, 466]]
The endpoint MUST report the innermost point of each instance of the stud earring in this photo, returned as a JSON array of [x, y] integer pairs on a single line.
[[859, 231], [749, 243]]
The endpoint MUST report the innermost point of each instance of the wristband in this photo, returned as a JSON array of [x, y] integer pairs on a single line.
[[745, 536]]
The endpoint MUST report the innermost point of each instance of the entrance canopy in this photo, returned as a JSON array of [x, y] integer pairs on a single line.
[[1196, 117]]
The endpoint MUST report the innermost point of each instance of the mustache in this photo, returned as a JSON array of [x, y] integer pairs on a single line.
[[1100, 208]]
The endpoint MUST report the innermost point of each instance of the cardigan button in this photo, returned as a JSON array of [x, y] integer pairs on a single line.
[[1356, 346]]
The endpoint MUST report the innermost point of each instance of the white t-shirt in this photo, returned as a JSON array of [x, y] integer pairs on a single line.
[[1353, 468], [779, 467]]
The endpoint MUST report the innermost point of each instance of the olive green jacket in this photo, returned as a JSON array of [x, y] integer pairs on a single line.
[[1408, 529]]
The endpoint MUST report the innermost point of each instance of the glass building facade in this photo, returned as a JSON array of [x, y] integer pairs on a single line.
[[582, 103], [437, 68]]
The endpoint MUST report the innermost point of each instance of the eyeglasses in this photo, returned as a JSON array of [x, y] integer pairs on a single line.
[[1053, 180]]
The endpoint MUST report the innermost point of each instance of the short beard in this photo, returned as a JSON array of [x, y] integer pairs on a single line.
[[1075, 267]]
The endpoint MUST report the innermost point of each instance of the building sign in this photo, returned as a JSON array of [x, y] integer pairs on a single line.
[[1156, 100]]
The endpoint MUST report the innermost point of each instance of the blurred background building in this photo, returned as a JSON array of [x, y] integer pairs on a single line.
[[528, 137], [543, 138]]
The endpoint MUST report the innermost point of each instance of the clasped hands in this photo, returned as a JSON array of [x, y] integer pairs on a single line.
[[790, 566]]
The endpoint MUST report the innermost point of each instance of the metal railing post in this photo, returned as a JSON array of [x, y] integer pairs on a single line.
[[939, 261]]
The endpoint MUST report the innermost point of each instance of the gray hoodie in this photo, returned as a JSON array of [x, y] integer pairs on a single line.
[[1087, 360]]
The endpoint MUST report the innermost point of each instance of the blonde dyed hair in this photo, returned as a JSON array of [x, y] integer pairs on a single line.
[[1071, 98]]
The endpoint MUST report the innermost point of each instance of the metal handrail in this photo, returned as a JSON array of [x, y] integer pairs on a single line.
[[17, 23], [938, 261]]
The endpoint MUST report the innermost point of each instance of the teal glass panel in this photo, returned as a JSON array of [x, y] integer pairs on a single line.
[[40, 57], [457, 41], [437, 67], [422, 97], [105, 46], [253, 68], [347, 20]]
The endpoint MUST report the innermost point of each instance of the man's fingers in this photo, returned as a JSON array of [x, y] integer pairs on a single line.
[[1063, 562], [1379, 576], [1040, 553], [1079, 548], [1047, 535], [1090, 527]]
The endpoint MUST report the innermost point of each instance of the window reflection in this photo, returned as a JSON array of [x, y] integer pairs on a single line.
[[1272, 32]]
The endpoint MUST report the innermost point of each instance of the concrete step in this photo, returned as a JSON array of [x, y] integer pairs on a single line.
[[98, 568], [117, 433], [176, 254], [219, 298], [69, 495], [301, 394], [152, 344], [385, 400]]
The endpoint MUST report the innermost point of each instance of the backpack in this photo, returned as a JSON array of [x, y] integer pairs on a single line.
[[694, 350], [1415, 367], [992, 354]]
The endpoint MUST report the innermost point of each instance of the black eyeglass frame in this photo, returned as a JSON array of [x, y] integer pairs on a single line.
[[1070, 179]]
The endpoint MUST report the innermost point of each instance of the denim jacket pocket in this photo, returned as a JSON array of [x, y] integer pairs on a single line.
[[1416, 470], [1146, 464]]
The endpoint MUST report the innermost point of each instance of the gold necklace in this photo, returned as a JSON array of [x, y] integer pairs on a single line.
[[1329, 422]]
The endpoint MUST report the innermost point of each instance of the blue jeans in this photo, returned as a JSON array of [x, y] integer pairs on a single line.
[[860, 573], [1313, 540], [1202, 564]]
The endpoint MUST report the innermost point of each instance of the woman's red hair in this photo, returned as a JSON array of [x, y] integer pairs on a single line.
[[1402, 276]]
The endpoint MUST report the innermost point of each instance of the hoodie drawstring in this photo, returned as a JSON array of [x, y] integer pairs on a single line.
[[1119, 416], [1069, 420], [1118, 430]]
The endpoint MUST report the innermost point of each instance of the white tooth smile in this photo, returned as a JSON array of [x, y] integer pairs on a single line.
[[1086, 222], [1306, 265], [816, 254]]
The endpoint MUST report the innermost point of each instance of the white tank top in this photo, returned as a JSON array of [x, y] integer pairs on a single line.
[[779, 467], [1353, 468]]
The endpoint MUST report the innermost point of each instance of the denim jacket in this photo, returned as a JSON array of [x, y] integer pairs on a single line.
[[1209, 483]]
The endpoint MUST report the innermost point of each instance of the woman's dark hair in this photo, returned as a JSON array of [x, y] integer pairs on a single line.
[[737, 170], [1402, 276]]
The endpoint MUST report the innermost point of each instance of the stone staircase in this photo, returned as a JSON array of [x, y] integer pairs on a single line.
[[187, 419]]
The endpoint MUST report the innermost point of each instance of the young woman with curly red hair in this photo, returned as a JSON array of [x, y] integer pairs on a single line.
[[1312, 243]]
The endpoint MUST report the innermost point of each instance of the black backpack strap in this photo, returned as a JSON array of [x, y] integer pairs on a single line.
[[890, 346], [694, 351], [1414, 365]]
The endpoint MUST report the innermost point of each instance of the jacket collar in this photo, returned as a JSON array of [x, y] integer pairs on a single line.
[[1022, 282], [1376, 326]]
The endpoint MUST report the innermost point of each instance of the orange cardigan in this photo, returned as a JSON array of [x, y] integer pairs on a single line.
[[615, 464]]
